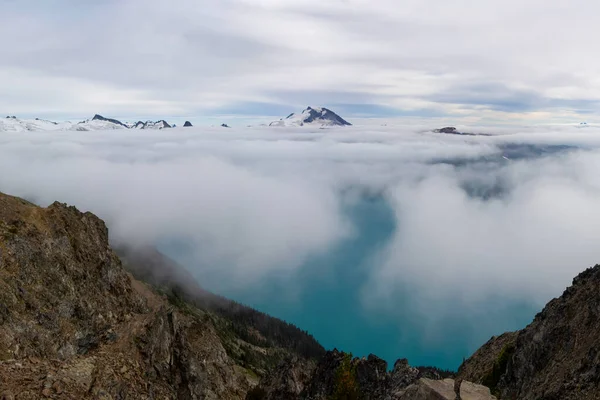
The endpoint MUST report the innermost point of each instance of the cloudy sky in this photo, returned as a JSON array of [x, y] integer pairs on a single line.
[[494, 61]]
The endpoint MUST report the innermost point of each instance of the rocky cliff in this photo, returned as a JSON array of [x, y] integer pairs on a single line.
[[556, 357], [74, 324]]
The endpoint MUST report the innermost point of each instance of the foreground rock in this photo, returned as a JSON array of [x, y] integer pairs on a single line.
[[74, 324], [556, 357], [429, 389], [339, 376]]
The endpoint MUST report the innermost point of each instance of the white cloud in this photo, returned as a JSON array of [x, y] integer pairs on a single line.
[[250, 204], [258, 200]]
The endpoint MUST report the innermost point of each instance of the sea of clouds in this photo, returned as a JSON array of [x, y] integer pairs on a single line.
[[475, 219]]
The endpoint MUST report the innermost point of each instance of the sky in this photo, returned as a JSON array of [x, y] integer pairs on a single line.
[[426, 243], [492, 62]]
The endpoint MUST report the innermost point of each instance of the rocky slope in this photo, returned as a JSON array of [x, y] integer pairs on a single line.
[[556, 357], [74, 324], [339, 376]]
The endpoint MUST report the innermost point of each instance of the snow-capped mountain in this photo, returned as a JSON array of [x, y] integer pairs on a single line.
[[96, 123], [151, 125], [317, 116], [14, 124]]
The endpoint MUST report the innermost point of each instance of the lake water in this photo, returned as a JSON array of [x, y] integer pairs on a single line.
[[325, 298]]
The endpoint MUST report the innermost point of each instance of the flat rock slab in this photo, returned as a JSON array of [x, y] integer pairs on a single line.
[[429, 389]]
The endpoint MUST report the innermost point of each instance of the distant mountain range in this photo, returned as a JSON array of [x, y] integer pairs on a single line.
[[317, 116], [312, 116], [96, 123]]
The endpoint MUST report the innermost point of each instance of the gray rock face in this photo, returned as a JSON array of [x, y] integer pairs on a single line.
[[480, 366], [429, 389], [99, 117], [187, 124], [74, 324], [558, 355]]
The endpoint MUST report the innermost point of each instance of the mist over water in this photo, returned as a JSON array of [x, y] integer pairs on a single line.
[[388, 240], [325, 297]]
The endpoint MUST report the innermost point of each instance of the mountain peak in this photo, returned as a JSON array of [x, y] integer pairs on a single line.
[[98, 117], [312, 116]]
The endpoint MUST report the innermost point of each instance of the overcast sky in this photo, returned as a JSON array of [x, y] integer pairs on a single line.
[[492, 61]]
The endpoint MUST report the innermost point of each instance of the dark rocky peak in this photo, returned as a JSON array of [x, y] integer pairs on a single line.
[[225, 126], [448, 129], [162, 124], [187, 124], [11, 117], [99, 117]]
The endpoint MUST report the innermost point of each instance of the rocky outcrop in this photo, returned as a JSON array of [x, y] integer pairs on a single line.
[[558, 355], [225, 126], [450, 130], [340, 376], [187, 124], [486, 362], [74, 324], [429, 389]]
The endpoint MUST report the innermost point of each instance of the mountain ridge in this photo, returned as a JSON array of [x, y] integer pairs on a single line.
[[97, 122]]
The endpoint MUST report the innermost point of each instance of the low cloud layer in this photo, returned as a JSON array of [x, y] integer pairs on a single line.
[[145, 59], [473, 222]]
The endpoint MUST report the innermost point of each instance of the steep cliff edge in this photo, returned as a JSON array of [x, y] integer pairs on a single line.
[[74, 324], [556, 357]]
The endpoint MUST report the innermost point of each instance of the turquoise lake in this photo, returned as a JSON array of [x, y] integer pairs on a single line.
[[324, 297]]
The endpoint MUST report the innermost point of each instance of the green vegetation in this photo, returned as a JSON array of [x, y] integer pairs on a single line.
[[492, 378], [346, 385]]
